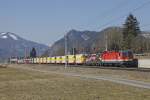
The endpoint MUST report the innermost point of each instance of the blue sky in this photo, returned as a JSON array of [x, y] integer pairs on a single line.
[[46, 21]]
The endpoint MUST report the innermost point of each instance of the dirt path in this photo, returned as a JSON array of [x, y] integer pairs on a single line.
[[134, 83]]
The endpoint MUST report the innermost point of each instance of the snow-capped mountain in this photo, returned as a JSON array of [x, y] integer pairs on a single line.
[[14, 45], [8, 35]]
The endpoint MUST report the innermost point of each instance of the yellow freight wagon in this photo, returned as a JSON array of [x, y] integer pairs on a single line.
[[71, 59], [32, 60], [45, 60], [35, 61], [53, 60], [48, 60], [80, 59], [41, 60], [58, 59], [38, 60], [63, 58]]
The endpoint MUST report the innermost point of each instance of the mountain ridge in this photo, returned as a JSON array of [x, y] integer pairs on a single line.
[[12, 44], [86, 41]]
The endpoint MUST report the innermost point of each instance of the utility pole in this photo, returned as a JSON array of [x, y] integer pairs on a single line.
[[66, 47], [25, 55], [106, 42]]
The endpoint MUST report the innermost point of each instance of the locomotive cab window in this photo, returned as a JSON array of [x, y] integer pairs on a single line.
[[127, 54]]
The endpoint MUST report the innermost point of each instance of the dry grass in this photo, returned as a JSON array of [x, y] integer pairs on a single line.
[[136, 75], [3, 65], [18, 84]]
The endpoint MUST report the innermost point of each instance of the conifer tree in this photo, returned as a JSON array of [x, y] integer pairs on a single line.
[[130, 31], [33, 53]]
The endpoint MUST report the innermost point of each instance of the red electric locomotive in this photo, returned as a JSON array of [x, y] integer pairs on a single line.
[[118, 58]]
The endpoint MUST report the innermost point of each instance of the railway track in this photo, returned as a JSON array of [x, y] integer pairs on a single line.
[[105, 67]]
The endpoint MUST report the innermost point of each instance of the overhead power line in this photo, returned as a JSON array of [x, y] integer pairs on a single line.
[[116, 19], [147, 25], [121, 4], [109, 11]]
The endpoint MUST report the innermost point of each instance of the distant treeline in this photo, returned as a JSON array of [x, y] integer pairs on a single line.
[[128, 37]]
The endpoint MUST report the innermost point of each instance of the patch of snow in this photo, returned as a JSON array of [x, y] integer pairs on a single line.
[[3, 33], [13, 36], [85, 37], [4, 37]]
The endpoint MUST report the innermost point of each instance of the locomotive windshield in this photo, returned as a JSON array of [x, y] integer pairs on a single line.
[[127, 54]]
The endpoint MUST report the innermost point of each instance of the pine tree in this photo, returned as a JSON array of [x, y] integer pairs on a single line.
[[130, 31], [33, 53]]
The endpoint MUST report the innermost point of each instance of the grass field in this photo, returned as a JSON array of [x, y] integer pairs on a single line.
[[125, 74], [19, 84]]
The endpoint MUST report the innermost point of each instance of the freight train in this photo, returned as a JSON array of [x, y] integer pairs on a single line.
[[107, 58]]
